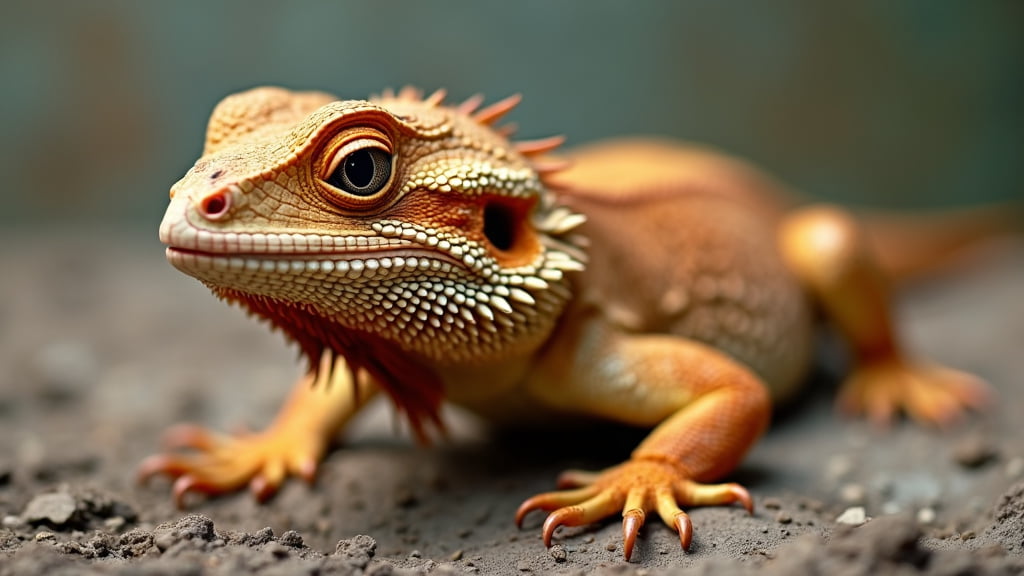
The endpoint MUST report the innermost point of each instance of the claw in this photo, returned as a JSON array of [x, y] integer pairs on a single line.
[[307, 470], [554, 520], [684, 527], [182, 486], [674, 517], [632, 520], [262, 488], [742, 496]]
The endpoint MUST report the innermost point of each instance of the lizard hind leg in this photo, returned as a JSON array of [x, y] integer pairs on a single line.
[[825, 247]]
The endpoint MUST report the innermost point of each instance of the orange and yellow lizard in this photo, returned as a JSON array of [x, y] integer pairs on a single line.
[[411, 247]]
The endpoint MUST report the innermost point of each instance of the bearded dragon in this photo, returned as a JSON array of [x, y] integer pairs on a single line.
[[410, 246]]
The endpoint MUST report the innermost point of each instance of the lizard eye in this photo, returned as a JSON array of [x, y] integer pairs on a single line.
[[363, 172], [358, 171]]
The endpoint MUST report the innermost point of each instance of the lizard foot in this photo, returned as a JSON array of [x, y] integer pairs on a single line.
[[633, 488], [928, 393], [220, 463]]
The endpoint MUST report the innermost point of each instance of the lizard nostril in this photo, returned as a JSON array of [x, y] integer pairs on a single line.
[[215, 205]]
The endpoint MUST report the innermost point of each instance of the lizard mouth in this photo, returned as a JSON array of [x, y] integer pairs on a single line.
[[365, 262]]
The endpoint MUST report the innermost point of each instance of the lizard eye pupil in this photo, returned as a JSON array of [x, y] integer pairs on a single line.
[[363, 172]]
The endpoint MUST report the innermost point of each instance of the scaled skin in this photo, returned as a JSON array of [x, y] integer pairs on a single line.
[[410, 247]]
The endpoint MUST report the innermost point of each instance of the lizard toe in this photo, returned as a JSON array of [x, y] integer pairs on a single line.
[[600, 506]]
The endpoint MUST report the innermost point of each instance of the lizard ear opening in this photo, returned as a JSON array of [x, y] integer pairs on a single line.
[[499, 226], [506, 227]]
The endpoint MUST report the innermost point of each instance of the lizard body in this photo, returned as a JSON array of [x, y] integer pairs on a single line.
[[411, 247]]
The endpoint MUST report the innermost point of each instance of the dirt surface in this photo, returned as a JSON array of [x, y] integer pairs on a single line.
[[103, 345]]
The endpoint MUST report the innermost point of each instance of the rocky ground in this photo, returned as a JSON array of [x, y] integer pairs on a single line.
[[103, 345]]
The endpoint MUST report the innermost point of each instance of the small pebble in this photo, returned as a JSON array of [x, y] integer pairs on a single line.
[[415, 554], [783, 518], [559, 553], [772, 503], [968, 535], [853, 516], [291, 539], [926, 515], [523, 566], [41, 536], [56, 508], [611, 546], [456, 556]]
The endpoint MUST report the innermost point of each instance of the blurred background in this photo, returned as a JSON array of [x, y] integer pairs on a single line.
[[906, 104]]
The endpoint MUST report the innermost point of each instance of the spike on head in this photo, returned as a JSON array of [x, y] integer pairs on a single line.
[[494, 112], [436, 99], [540, 146], [410, 94], [470, 105]]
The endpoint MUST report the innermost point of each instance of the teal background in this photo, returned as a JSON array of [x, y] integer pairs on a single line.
[[893, 103]]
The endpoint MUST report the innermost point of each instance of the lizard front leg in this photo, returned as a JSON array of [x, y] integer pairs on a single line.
[[829, 252], [708, 410], [318, 406]]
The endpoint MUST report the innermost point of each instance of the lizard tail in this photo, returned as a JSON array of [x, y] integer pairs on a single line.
[[912, 246]]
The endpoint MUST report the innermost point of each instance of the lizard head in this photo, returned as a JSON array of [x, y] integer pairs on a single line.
[[398, 221]]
